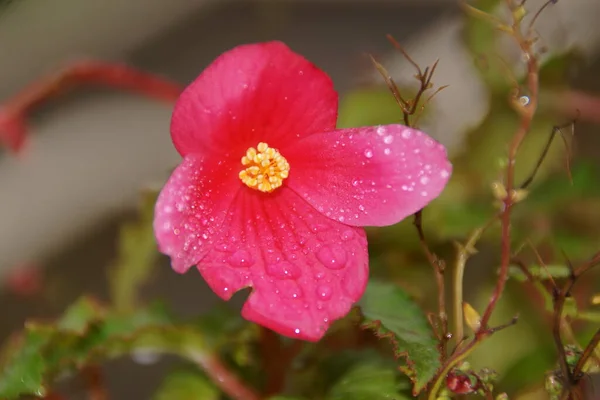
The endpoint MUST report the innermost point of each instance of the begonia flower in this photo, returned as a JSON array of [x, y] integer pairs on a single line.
[[271, 196]]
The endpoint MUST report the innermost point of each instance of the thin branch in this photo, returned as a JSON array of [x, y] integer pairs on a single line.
[[555, 130], [223, 378], [14, 111], [527, 113], [438, 270], [588, 352]]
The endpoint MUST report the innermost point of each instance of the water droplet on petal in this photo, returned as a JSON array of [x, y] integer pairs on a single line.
[[319, 275], [424, 180], [297, 331], [406, 134], [368, 153], [333, 257], [319, 227], [424, 193], [388, 139], [240, 259], [387, 151], [284, 270], [347, 235], [381, 130], [324, 292], [444, 173]]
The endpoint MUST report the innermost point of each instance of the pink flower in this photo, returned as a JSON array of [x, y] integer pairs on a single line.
[[271, 196]]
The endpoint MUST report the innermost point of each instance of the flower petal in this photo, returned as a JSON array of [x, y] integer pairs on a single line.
[[306, 270], [253, 93], [372, 176], [190, 206]]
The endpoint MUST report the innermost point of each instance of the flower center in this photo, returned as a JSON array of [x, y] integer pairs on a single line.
[[265, 168]]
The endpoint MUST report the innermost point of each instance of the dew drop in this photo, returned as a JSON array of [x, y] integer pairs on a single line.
[[333, 257], [444, 173], [387, 151], [388, 139], [424, 193], [381, 130], [406, 134], [347, 235], [368, 153], [283, 270], [319, 275], [319, 228], [324, 292], [240, 259], [424, 180], [297, 331]]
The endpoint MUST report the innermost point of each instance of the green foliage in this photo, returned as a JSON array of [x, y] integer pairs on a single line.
[[367, 381], [362, 107], [392, 314], [88, 333], [137, 253], [188, 385]]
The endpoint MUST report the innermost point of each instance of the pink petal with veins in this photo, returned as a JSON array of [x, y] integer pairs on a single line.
[[305, 270], [371, 176], [190, 207], [253, 93]]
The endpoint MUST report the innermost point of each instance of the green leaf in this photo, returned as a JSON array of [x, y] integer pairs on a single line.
[[538, 272], [367, 381], [188, 385], [286, 398], [392, 314], [137, 254], [80, 315], [23, 366], [375, 106], [88, 333]]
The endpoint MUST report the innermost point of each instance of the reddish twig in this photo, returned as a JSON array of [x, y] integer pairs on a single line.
[[14, 111], [94, 380], [527, 112], [276, 359], [223, 378]]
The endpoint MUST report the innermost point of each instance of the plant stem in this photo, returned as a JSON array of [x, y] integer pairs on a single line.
[[527, 113], [14, 111], [221, 376]]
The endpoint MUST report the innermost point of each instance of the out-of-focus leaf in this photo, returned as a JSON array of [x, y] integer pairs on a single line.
[[530, 368], [558, 189], [392, 314], [188, 385], [367, 381], [80, 315], [286, 398], [88, 333], [374, 106], [539, 272], [136, 256], [22, 367]]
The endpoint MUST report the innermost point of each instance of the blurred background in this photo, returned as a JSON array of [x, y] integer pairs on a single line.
[[63, 198]]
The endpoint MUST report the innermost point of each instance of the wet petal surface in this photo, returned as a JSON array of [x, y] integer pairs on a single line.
[[373, 176], [305, 270], [191, 206], [253, 93]]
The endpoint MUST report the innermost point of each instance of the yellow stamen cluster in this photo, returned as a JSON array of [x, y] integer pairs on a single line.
[[265, 168]]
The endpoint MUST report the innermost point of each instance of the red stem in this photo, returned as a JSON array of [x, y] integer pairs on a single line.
[[13, 129], [527, 114], [225, 379]]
